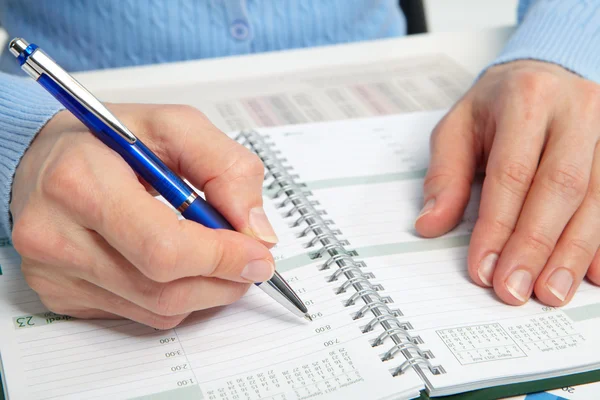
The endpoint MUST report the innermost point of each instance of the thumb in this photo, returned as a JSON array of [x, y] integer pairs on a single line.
[[447, 185]]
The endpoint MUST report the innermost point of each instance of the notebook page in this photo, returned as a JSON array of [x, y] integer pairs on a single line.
[[252, 349], [371, 186]]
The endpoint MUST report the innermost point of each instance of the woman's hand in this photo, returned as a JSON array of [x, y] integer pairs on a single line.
[[96, 244], [534, 127]]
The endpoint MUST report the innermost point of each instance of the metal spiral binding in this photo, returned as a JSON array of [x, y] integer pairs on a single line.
[[284, 183]]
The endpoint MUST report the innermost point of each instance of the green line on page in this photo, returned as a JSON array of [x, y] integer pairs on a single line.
[[583, 313], [183, 393], [365, 180], [379, 250], [416, 246], [358, 180]]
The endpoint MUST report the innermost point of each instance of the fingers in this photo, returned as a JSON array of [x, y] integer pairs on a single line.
[[558, 190], [229, 174], [69, 295], [112, 272], [126, 293], [145, 231], [164, 248], [575, 250], [91, 301], [511, 167], [447, 186], [71, 286]]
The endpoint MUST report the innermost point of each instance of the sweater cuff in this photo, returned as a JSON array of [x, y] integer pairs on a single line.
[[24, 109], [564, 33]]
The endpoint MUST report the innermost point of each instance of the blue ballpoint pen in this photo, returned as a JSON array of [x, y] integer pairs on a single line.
[[106, 127]]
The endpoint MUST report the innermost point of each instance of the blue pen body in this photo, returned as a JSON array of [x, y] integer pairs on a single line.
[[142, 160]]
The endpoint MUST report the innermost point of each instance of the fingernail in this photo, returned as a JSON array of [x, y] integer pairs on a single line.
[[427, 208], [258, 271], [560, 283], [260, 225], [486, 268], [519, 284]]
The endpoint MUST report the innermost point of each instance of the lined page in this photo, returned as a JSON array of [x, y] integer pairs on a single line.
[[368, 176], [253, 349]]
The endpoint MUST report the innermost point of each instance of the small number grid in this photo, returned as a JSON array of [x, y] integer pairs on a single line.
[[326, 375], [480, 343]]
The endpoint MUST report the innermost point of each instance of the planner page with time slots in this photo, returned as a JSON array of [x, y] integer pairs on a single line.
[[252, 349], [368, 177]]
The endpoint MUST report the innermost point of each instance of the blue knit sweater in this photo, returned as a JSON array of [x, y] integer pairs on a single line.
[[85, 35]]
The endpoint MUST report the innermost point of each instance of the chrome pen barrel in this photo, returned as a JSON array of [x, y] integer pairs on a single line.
[[23, 51], [17, 46]]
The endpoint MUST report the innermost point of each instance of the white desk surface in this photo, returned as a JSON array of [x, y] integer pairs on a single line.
[[471, 50]]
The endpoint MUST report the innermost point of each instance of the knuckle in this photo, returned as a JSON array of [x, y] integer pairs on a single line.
[[590, 93], [539, 242], [171, 299], [442, 174], [435, 175], [567, 181], [533, 84], [216, 260], [243, 164], [446, 125], [25, 237], [63, 177], [514, 176], [28, 241], [575, 246], [254, 165], [502, 225]]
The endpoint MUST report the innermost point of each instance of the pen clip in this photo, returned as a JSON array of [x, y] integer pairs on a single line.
[[36, 63]]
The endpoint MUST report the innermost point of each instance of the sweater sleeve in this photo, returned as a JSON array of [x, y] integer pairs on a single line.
[[563, 32], [24, 109]]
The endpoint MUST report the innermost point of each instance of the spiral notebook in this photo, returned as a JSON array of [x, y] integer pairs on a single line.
[[394, 315]]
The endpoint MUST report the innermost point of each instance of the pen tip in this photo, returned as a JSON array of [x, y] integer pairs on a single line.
[[308, 317]]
